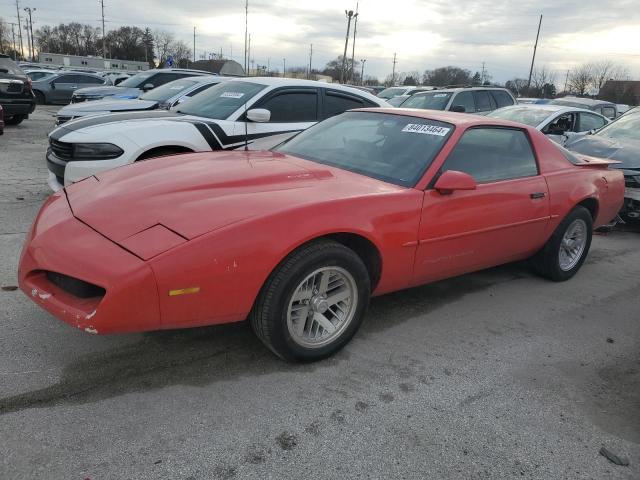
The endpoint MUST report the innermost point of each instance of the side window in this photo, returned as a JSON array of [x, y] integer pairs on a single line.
[[88, 79], [492, 154], [589, 121], [466, 100], [66, 79], [502, 98], [336, 103], [484, 102], [291, 107], [163, 78], [564, 123], [609, 112]]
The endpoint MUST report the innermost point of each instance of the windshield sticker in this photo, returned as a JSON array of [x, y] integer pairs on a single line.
[[232, 95], [426, 129], [437, 95]]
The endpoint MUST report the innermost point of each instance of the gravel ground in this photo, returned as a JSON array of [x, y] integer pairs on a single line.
[[494, 375]]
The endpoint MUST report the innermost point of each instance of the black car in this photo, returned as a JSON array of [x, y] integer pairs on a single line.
[[619, 140], [135, 86], [16, 96]]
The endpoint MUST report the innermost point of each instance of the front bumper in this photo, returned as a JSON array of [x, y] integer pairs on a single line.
[[60, 243], [18, 106], [63, 172]]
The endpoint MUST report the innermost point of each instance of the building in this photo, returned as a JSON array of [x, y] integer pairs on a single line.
[[97, 63], [621, 91], [221, 67]]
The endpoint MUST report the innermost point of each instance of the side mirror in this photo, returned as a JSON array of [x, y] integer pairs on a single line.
[[458, 108], [53, 85], [259, 115], [148, 86], [453, 180], [180, 100]]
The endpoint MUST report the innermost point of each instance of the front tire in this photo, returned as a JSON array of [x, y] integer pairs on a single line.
[[15, 120], [313, 302], [567, 249]]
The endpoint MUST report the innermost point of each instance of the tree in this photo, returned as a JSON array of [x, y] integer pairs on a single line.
[[334, 68], [580, 79], [476, 79], [605, 70], [443, 76], [518, 86], [409, 81]]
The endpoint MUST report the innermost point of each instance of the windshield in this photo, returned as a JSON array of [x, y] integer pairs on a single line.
[[137, 80], [168, 90], [430, 101], [627, 127], [529, 116], [393, 148], [392, 92], [9, 66], [222, 100]]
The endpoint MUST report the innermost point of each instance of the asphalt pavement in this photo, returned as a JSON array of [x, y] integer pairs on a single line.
[[495, 375]]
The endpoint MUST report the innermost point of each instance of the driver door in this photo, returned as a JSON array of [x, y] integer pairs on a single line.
[[63, 87], [292, 110], [502, 220]]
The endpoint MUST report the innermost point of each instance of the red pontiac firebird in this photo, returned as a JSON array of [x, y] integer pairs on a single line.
[[298, 238]]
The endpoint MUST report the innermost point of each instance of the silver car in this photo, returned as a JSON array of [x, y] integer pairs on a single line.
[[164, 97], [59, 87]]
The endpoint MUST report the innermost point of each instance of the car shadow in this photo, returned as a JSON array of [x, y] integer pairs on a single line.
[[206, 355]]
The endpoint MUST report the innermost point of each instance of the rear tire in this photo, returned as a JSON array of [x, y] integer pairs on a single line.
[[313, 302], [15, 119], [567, 249], [40, 98]]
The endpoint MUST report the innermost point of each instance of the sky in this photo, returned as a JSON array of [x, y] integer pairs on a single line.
[[424, 34]]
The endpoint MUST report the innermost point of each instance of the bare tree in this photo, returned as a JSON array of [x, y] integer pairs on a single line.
[[541, 77], [162, 41], [606, 70], [580, 78]]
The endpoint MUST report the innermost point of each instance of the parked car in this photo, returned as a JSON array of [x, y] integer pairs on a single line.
[[608, 109], [372, 201], [38, 74], [225, 116], [392, 92], [555, 121], [136, 85], [620, 141], [59, 87], [623, 108], [16, 96], [164, 97], [480, 100], [1, 120], [526, 100]]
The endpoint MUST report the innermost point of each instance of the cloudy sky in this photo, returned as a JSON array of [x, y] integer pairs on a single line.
[[424, 33]]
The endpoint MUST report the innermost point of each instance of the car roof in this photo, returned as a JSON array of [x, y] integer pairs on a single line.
[[457, 119], [187, 70], [551, 108], [457, 89], [584, 101], [298, 82]]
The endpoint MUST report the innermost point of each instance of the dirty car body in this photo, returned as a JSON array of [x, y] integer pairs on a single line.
[[212, 232]]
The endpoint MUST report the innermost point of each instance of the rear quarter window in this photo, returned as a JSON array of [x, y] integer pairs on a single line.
[[502, 98]]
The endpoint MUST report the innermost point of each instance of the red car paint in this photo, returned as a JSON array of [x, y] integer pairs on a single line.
[[189, 240]]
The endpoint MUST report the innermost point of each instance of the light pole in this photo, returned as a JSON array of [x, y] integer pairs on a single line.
[[353, 45], [349, 15], [362, 71], [30, 10], [284, 67]]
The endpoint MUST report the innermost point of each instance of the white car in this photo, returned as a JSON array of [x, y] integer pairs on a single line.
[[164, 97], [229, 115], [556, 121], [406, 92]]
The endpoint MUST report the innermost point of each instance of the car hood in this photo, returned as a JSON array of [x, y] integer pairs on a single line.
[[108, 91], [625, 151], [193, 194], [87, 108]]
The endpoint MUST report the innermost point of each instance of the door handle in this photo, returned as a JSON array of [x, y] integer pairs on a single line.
[[536, 195]]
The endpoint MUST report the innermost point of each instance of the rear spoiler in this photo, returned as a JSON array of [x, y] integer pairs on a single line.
[[593, 161]]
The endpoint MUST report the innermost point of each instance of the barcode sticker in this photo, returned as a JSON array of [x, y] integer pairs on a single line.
[[232, 95], [426, 129]]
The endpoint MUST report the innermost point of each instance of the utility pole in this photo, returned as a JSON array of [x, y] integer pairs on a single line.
[[26, 27], [566, 80], [533, 59], [194, 44], [393, 75], [353, 45], [249, 57], [104, 44], [246, 34], [349, 15], [284, 67], [19, 28], [13, 36], [482, 76], [310, 58], [362, 60], [30, 10]]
